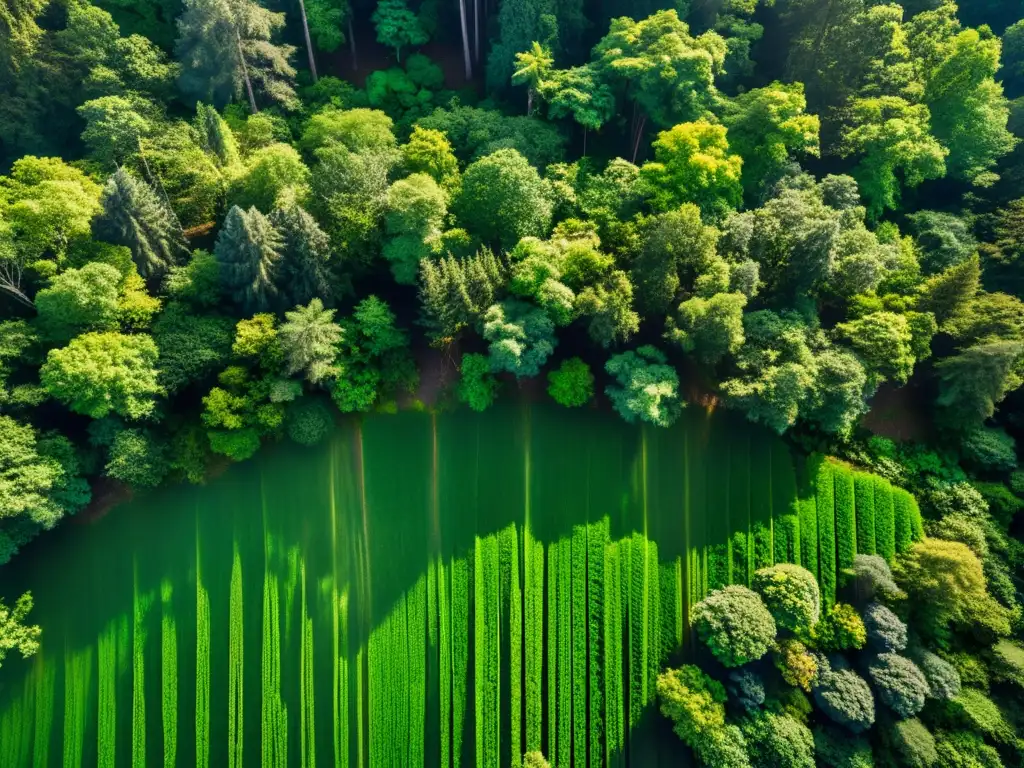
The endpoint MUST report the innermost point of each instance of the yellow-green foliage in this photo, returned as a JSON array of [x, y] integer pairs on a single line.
[[77, 685], [169, 675], [236, 665], [202, 674], [579, 644]]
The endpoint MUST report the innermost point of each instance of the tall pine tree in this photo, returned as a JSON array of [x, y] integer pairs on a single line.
[[303, 274], [249, 251], [225, 50], [216, 136], [135, 216]]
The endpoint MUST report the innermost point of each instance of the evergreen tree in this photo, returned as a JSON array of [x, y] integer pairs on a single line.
[[225, 49], [946, 294], [303, 272], [310, 339], [973, 382], [249, 251], [134, 215], [455, 293], [216, 136]]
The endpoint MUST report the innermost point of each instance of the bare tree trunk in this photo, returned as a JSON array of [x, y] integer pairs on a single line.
[[639, 135], [584, 141], [352, 42], [465, 40], [309, 43], [15, 293], [245, 73], [529, 101], [476, 29]]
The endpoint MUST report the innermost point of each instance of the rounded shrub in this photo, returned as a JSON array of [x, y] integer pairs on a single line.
[[791, 595], [572, 384], [990, 450], [797, 666], [137, 458], [943, 679], [309, 421], [834, 748], [746, 688], [886, 632], [735, 625], [963, 749], [724, 748], [778, 741], [908, 743], [841, 629], [845, 697], [900, 684], [872, 577], [694, 702]]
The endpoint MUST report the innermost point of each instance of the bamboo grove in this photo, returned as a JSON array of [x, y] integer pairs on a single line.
[[528, 637]]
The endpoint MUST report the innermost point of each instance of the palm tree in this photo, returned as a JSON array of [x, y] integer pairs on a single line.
[[532, 67]]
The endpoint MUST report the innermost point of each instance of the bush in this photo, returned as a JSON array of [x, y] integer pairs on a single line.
[[973, 709], [797, 666], [844, 696], [907, 519], [137, 458], [900, 684], [735, 625], [962, 749], [872, 577], [309, 421], [963, 528], [724, 748], [1003, 504], [477, 388], [907, 743], [943, 679], [694, 702], [1008, 662], [989, 450], [842, 629], [778, 741], [791, 595], [885, 527], [837, 749], [846, 518], [826, 506], [864, 496], [572, 384], [236, 444], [886, 631]]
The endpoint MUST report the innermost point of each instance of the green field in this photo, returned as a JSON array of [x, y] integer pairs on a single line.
[[444, 590]]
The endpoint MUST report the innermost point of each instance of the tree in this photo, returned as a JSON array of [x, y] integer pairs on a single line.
[[693, 165], [609, 307], [101, 373], [535, 760], [310, 339], [533, 66], [645, 386], [900, 684], [766, 127], [248, 250], [397, 26], [795, 663], [945, 239], [477, 386], [886, 632], [272, 176], [909, 743], [735, 625], [78, 300], [838, 749], [429, 151], [135, 216], [893, 137], [845, 697], [841, 629], [943, 679], [217, 138], [694, 702], [358, 130], [115, 127], [883, 341], [503, 199], [15, 634], [225, 47], [572, 384], [711, 328], [974, 381], [946, 295], [415, 215], [521, 337], [303, 272], [779, 741], [454, 293], [791, 595], [137, 458]]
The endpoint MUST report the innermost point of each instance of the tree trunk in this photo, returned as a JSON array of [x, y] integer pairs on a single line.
[[352, 42], [584, 141], [16, 294], [639, 135], [465, 40], [529, 101], [309, 43], [245, 73], [476, 30]]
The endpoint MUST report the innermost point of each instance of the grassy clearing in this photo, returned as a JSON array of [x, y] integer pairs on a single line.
[[614, 726], [416, 634], [534, 637], [563, 676], [578, 545], [168, 675], [444, 620], [512, 606], [597, 540], [45, 679], [487, 652]]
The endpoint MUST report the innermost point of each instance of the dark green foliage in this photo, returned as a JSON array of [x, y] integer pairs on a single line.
[[962, 749], [248, 250], [134, 215], [846, 518], [906, 517], [79, 300], [192, 347], [747, 688], [303, 273], [907, 743], [990, 449], [779, 741], [455, 293], [735, 625], [308, 421], [475, 132], [837, 749], [943, 679]]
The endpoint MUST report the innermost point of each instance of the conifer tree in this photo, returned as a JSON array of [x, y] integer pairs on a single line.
[[216, 136], [249, 250], [303, 272], [949, 292], [225, 49], [310, 338], [134, 215], [454, 294], [973, 382]]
